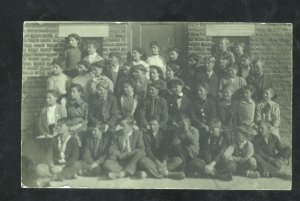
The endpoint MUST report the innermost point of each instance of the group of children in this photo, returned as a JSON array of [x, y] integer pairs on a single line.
[[160, 118]]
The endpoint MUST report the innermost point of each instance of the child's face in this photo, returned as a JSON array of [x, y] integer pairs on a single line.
[[81, 69], [128, 90], [258, 68], [75, 94], [155, 49], [91, 49], [216, 132], [247, 94], [57, 70], [177, 89], [126, 128], [226, 94], [101, 91], [169, 73], [97, 133], [223, 45], [113, 60], [232, 72], [97, 72], [240, 138], [245, 62], [73, 42], [136, 56], [126, 69], [202, 93], [50, 99], [223, 63], [239, 49], [209, 65], [268, 95], [153, 92], [62, 129], [154, 126], [173, 55], [153, 74], [192, 61], [137, 74]]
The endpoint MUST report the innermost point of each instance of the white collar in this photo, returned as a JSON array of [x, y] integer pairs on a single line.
[[115, 68], [242, 145], [128, 134], [92, 55]]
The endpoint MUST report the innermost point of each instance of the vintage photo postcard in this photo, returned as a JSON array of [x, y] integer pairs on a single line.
[[157, 105]]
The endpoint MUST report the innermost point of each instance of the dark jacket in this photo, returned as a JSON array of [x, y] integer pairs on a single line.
[[106, 111], [214, 148], [202, 112], [93, 153], [174, 111], [155, 147], [136, 142], [148, 111], [212, 82], [71, 151]]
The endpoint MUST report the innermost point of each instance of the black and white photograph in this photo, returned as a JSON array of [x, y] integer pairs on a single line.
[[157, 105]]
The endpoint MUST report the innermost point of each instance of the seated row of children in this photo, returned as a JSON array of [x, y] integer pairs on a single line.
[[174, 122]]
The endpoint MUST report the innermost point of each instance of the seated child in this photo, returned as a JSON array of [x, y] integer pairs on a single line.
[[225, 107], [271, 154], [125, 151], [243, 110], [103, 107], [128, 101], [155, 59], [203, 111], [58, 81], [65, 164], [138, 59], [178, 102], [77, 110], [238, 158], [245, 66], [92, 55], [153, 106], [232, 81], [139, 81], [94, 150], [268, 110], [174, 58], [213, 150], [83, 77], [96, 70], [155, 77], [72, 55], [210, 77]]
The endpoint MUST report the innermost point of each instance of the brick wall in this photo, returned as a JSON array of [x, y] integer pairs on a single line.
[[272, 42], [40, 45]]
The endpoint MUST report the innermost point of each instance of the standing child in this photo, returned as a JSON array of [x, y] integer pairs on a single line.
[[239, 53], [155, 77], [244, 67], [58, 81], [225, 107], [155, 59], [92, 56], [174, 58], [137, 59], [77, 110], [83, 77], [269, 111], [190, 73], [139, 81], [94, 150], [72, 55]]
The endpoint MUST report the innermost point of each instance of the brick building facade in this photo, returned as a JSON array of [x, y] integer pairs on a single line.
[[42, 42]]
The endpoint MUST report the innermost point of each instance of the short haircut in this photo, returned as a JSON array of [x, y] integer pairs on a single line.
[[246, 57], [174, 49], [259, 60], [184, 117], [78, 87], [202, 85], [139, 50], [154, 119], [249, 88], [213, 59], [226, 88], [97, 124], [241, 44], [175, 68], [129, 120], [215, 123], [153, 43], [139, 67], [60, 62], [65, 121], [157, 68], [271, 90], [226, 40], [92, 43], [154, 85], [176, 82], [55, 93], [194, 57], [76, 36], [115, 54]]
